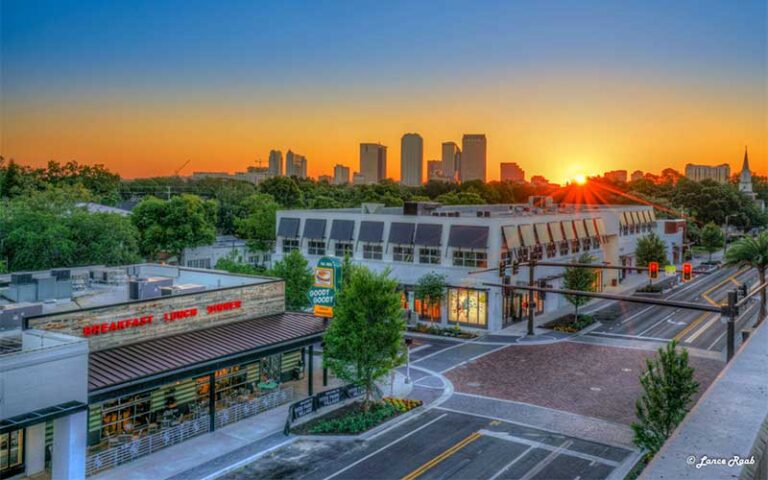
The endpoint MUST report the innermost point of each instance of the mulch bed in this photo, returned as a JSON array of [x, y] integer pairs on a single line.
[[593, 380]]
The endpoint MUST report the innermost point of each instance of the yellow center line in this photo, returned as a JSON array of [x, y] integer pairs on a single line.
[[432, 463], [692, 325]]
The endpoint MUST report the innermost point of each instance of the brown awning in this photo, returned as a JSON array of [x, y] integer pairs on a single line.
[[568, 227], [128, 363], [601, 228], [581, 232], [557, 231], [526, 231], [591, 230], [543, 233]]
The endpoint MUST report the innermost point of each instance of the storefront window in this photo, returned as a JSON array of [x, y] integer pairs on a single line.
[[316, 247], [290, 244], [11, 453], [468, 307], [126, 415], [429, 255], [429, 312], [470, 258], [373, 251], [402, 253], [342, 249]]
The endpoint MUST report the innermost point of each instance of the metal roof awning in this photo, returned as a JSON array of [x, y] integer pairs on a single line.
[[174, 357], [623, 219], [630, 218], [652, 213], [289, 227], [40, 416], [591, 230], [511, 237], [581, 232], [526, 232], [601, 228], [568, 228], [342, 230], [429, 235], [557, 231], [636, 217], [542, 232], [647, 216], [372, 232], [314, 228], [401, 233], [468, 236]]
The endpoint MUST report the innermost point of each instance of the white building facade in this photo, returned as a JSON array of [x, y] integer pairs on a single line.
[[466, 245], [225, 246]]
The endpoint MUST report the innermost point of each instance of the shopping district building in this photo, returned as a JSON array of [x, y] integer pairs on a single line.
[[101, 366], [467, 243]]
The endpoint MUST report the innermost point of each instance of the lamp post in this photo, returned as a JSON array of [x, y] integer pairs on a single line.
[[408, 342], [725, 242]]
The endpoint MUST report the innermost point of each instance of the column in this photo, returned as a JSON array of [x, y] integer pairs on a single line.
[[34, 449], [212, 401], [69, 445], [310, 361]]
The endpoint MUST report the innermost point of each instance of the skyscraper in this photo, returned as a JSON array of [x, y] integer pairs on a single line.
[[718, 173], [451, 160], [473, 151], [373, 162], [295, 165], [511, 172], [275, 163], [340, 175], [434, 170], [411, 159]]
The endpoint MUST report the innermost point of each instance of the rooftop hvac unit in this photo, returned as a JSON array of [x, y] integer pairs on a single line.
[[61, 273], [146, 288], [181, 289], [13, 315], [21, 278]]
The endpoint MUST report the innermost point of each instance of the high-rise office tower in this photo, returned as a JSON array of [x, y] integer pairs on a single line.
[[295, 165], [275, 163], [373, 162], [411, 159], [473, 151], [435, 170], [511, 172], [340, 175], [451, 160]]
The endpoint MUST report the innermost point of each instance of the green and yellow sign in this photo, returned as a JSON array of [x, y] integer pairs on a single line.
[[322, 295]]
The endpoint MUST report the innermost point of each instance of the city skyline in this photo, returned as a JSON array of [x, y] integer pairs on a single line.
[[577, 88]]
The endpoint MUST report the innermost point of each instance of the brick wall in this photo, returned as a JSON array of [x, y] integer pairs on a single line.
[[112, 326]]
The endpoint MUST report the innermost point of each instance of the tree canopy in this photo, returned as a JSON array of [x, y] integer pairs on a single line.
[[582, 279], [752, 251], [650, 248], [711, 238], [295, 270]]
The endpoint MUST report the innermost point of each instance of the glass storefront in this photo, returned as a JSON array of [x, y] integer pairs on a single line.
[[11, 453], [468, 307], [126, 419]]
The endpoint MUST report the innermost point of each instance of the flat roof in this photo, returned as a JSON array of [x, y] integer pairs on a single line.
[[154, 359], [99, 286]]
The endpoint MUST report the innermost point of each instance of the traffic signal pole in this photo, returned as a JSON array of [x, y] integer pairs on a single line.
[[730, 319], [531, 309]]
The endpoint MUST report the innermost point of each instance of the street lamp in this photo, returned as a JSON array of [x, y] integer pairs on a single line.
[[408, 342], [725, 243]]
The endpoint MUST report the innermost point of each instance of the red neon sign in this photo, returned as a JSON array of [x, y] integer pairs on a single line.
[[107, 327], [223, 307]]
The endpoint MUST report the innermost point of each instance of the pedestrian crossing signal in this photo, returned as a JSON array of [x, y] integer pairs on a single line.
[[653, 270], [687, 272]]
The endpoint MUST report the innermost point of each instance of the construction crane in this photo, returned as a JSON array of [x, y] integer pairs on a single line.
[[176, 173]]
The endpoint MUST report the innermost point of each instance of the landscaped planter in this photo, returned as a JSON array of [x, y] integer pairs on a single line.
[[351, 420], [567, 325], [453, 332]]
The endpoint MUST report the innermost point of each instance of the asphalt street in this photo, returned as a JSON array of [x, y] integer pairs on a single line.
[[691, 328]]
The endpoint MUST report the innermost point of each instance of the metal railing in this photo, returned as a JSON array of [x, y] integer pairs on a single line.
[[131, 450], [260, 404]]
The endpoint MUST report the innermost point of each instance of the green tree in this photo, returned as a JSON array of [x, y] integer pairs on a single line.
[[294, 269], [284, 190], [461, 198], [234, 263], [430, 289], [364, 342], [103, 238], [258, 224], [668, 388], [752, 251], [582, 279], [711, 239], [650, 248], [184, 221]]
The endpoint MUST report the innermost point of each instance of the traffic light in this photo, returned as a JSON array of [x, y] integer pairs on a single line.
[[653, 270], [743, 290], [502, 268], [687, 272], [515, 267]]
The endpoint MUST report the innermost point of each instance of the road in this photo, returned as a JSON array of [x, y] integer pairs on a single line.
[[694, 329]]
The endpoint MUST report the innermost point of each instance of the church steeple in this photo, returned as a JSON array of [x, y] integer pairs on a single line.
[[745, 178], [745, 166]]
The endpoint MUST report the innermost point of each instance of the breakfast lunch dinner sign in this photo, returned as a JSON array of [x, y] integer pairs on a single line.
[[322, 295]]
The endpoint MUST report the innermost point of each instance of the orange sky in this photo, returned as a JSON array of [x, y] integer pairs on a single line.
[[548, 125]]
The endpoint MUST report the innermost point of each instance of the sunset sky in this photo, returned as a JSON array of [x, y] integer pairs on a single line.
[[561, 88]]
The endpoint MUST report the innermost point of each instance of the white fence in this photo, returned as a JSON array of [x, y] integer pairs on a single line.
[[167, 437]]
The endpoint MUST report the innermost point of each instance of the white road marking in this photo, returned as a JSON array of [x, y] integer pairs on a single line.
[[663, 319], [546, 461], [701, 330], [545, 446], [387, 446], [507, 466], [636, 337]]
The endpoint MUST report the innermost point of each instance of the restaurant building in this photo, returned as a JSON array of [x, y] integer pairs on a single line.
[[462, 241], [138, 358]]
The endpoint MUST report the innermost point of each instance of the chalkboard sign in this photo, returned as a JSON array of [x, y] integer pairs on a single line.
[[354, 391], [330, 397], [303, 408]]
